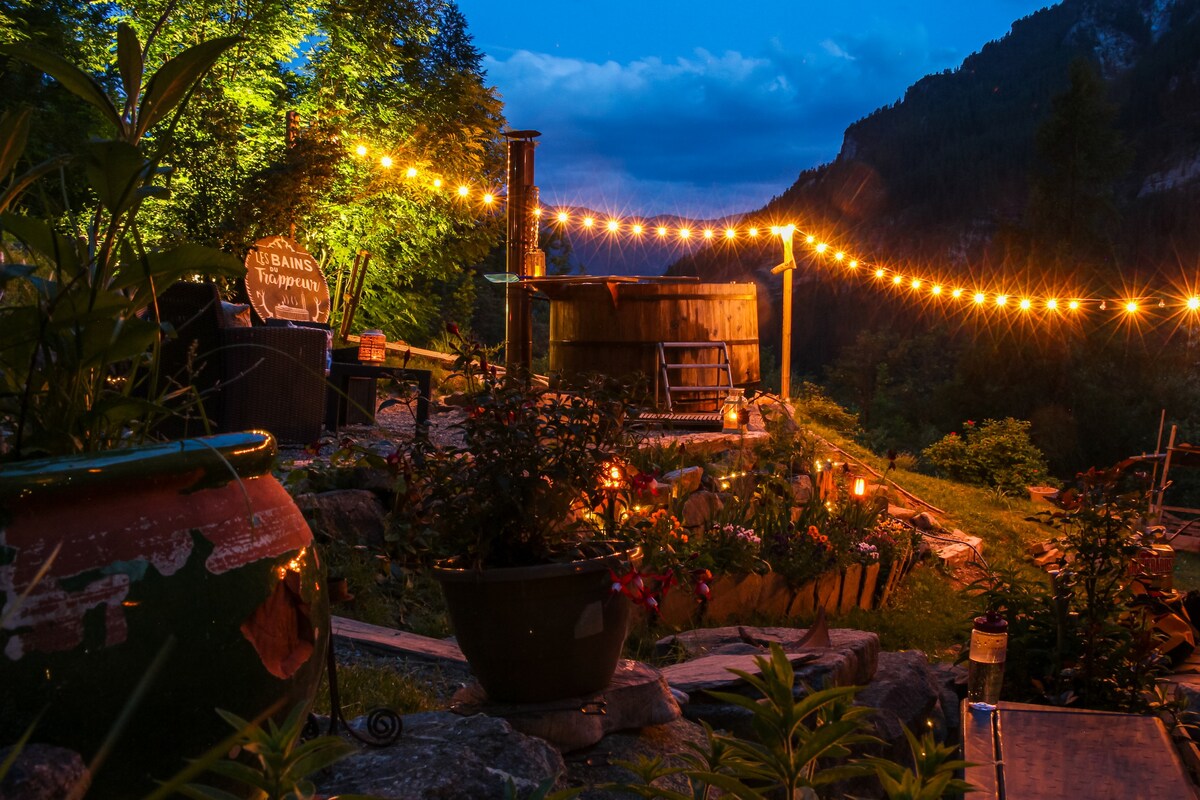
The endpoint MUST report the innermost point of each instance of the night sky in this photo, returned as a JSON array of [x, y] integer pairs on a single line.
[[709, 108]]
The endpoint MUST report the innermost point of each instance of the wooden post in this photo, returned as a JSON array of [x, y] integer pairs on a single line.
[[787, 268]]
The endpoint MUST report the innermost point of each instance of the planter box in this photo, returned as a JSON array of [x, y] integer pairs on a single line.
[[851, 583], [733, 595], [866, 595]]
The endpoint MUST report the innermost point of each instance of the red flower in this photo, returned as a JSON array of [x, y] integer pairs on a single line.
[[452, 329]]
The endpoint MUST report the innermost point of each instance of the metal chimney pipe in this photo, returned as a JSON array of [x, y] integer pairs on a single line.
[[522, 251]]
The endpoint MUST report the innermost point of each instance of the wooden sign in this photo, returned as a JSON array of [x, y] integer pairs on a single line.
[[285, 282]]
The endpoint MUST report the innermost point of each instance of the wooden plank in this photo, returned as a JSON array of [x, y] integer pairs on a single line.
[[389, 640]]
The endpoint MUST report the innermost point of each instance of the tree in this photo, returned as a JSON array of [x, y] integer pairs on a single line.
[[1080, 158]]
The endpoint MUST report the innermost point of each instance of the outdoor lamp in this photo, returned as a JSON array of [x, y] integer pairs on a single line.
[[860, 487], [372, 347], [733, 412]]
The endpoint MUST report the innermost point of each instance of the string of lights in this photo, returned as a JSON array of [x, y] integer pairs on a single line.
[[967, 294]]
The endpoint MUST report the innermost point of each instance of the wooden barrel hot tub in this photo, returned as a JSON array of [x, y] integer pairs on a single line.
[[614, 328]]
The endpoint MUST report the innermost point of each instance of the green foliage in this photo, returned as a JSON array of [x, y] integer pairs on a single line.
[[814, 403], [996, 453], [78, 367], [277, 763], [1078, 638], [530, 465], [931, 776], [362, 687]]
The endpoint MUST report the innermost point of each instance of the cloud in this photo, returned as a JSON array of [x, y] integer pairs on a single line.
[[734, 129]]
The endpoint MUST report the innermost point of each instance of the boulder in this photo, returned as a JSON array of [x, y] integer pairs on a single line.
[[904, 694], [700, 508], [926, 521], [683, 481], [900, 512], [354, 516], [637, 697], [802, 489], [597, 766], [442, 756], [951, 682], [958, 553], [43, 772]]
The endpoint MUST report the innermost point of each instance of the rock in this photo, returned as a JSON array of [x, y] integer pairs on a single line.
[[43, 772], [951, 682], [958, 553], [802, 489], [684, 481], [637, 697], [713, 673], [849, 661], [900, 512], [458, 400], [354, 516], [700, 508], [375, 479], [904, 693], [926, 521], [442, 756], [598, 766]]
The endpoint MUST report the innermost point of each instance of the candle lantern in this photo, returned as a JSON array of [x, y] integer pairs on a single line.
[[860, 488], [372, 347], [734, 412]]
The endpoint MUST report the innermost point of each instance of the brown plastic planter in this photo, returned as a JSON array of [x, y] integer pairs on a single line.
[[533, 634]]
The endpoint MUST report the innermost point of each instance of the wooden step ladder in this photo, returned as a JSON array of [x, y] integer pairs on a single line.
[[671, 383]]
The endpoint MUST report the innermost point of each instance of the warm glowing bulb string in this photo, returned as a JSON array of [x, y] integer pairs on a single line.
[[636, 229]]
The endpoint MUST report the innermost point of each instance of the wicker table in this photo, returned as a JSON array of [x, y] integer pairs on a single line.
[[341, 401], [1025, 752]]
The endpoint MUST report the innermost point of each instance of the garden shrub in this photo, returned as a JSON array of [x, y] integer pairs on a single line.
[[814, 403], [996, 453]]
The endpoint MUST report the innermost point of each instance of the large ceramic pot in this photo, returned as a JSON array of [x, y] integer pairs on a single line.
[[533, 634], [189, 552]]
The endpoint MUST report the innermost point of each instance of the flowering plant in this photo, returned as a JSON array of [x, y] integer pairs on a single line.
[[519, 488]]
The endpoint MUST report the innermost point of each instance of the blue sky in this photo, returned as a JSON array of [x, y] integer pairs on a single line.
[[707, 108]]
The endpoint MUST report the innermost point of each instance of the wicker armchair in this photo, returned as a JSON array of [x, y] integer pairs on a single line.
[[266, 378]]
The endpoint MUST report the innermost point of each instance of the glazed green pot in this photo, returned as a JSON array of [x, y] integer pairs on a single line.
[[539, 633], [188, 552]]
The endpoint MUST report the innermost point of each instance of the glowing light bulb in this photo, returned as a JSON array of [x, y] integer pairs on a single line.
[[1001, 299], [588, 222], [730, 233], [809, 239], [1131, 307], [562, 216], [537, 212], [1073, 305], [854, 264], [437, 184], [463, 191], [613, 227], [936, 290], [1193, 303], [822, 247], [661, 231], [684, 233], [708, 233], [897, 280], [979, 298], [775, 230], [916, 283], [488, 199], [1026, 304], [385, 162], [753, 231], [361, 150], [1052, 304], [636, 230], [957, 293], [411, 172], [839, 255], [878, 273]]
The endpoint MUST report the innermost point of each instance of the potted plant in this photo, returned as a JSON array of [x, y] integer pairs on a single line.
[[174, 577], [516, 513]]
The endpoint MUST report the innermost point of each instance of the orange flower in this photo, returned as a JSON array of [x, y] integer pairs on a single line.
[[683, 538]]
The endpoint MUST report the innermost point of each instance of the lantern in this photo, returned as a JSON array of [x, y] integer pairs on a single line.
[[734, 412], [372, 347], [860, 488]]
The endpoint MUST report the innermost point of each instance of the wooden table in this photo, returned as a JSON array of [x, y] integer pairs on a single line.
[[337, 401], [1025, 752]]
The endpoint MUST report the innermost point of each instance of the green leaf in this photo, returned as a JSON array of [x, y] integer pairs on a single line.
[[14, 132], [70, 76], [130, 64], [37, 235], [171, 83], [115, 170], [25, 180], [184, 261]]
